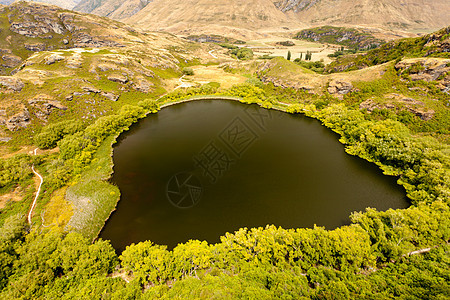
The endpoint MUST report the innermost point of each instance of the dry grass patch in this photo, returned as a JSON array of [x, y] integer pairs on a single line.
[[206, 74]]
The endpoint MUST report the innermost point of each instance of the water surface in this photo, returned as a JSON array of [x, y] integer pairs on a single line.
[[200, 169]]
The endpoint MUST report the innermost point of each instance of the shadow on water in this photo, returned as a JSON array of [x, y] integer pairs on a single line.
[[200, 169]]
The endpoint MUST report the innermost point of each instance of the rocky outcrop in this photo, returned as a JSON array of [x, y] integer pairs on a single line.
[[90, 89], [295, 5], [110, 96], [19, 120], [48, 28], [51, 59], [427, 69], [277, 82], [44, 105], [10, 61], [84, 40], [11, 83], [399, 102], [142, 85], [339, 87], [36, 47], [120, 78], [349, 37]]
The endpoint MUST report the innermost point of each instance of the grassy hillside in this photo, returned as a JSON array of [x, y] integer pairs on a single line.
[[431, 45]]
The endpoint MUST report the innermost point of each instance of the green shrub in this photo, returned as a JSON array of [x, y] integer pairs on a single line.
[[52, 133], [188, 71], [243, 53]]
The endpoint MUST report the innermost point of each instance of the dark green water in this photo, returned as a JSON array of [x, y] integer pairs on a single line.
[[200, 169]]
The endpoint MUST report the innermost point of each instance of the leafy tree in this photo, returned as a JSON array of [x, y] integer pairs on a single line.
[[149, 263]]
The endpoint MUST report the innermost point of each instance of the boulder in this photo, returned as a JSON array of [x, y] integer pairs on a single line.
[[91, 89], [118, 78], [36, 47], [53, 58], [19, 120], [339, 87], [110, 96], [11, 83], [142, 85]]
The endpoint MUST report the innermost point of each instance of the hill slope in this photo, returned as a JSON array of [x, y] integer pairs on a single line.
[[187, 15], [68, 4], [176, 14], [115, 9], [404, 14]]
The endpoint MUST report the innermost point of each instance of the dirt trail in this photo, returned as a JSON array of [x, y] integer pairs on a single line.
[[37, 193]]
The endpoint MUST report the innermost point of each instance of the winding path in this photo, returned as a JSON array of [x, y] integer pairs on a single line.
[[211, 53], [37, 193]]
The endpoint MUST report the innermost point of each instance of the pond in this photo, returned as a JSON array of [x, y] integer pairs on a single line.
[[200, 169]]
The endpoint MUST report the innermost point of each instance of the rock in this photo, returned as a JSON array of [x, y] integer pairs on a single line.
[[11, 83], [37, 47], [118, 78], [84, 40], [69, 98], [425, 115], [427, 69], [398, 102], [74, 62], [107, 67], [53, 58], [19, 120], [44, 105], [5, 51], [339, 87], [142, 85], [65, 41], [79, 94], [110, 96], [11, 61], [91, 89]]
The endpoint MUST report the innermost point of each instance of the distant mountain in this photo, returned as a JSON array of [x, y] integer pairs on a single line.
[[115, 9], [396, 14], [181, 15], [68, 4], [174, 15]]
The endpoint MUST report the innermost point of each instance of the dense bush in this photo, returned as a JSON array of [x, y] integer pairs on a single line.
[[258, 263], [243, 53], [15, 169], [80, 147], [188, 71], [316, 66], [52, 133]]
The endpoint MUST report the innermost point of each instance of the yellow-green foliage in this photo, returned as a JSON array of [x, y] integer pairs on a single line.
[[15, 169], [58, 211], [52, 133]]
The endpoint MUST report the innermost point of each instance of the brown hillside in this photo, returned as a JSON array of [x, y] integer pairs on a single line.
[[185, 16], [397, 14]]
